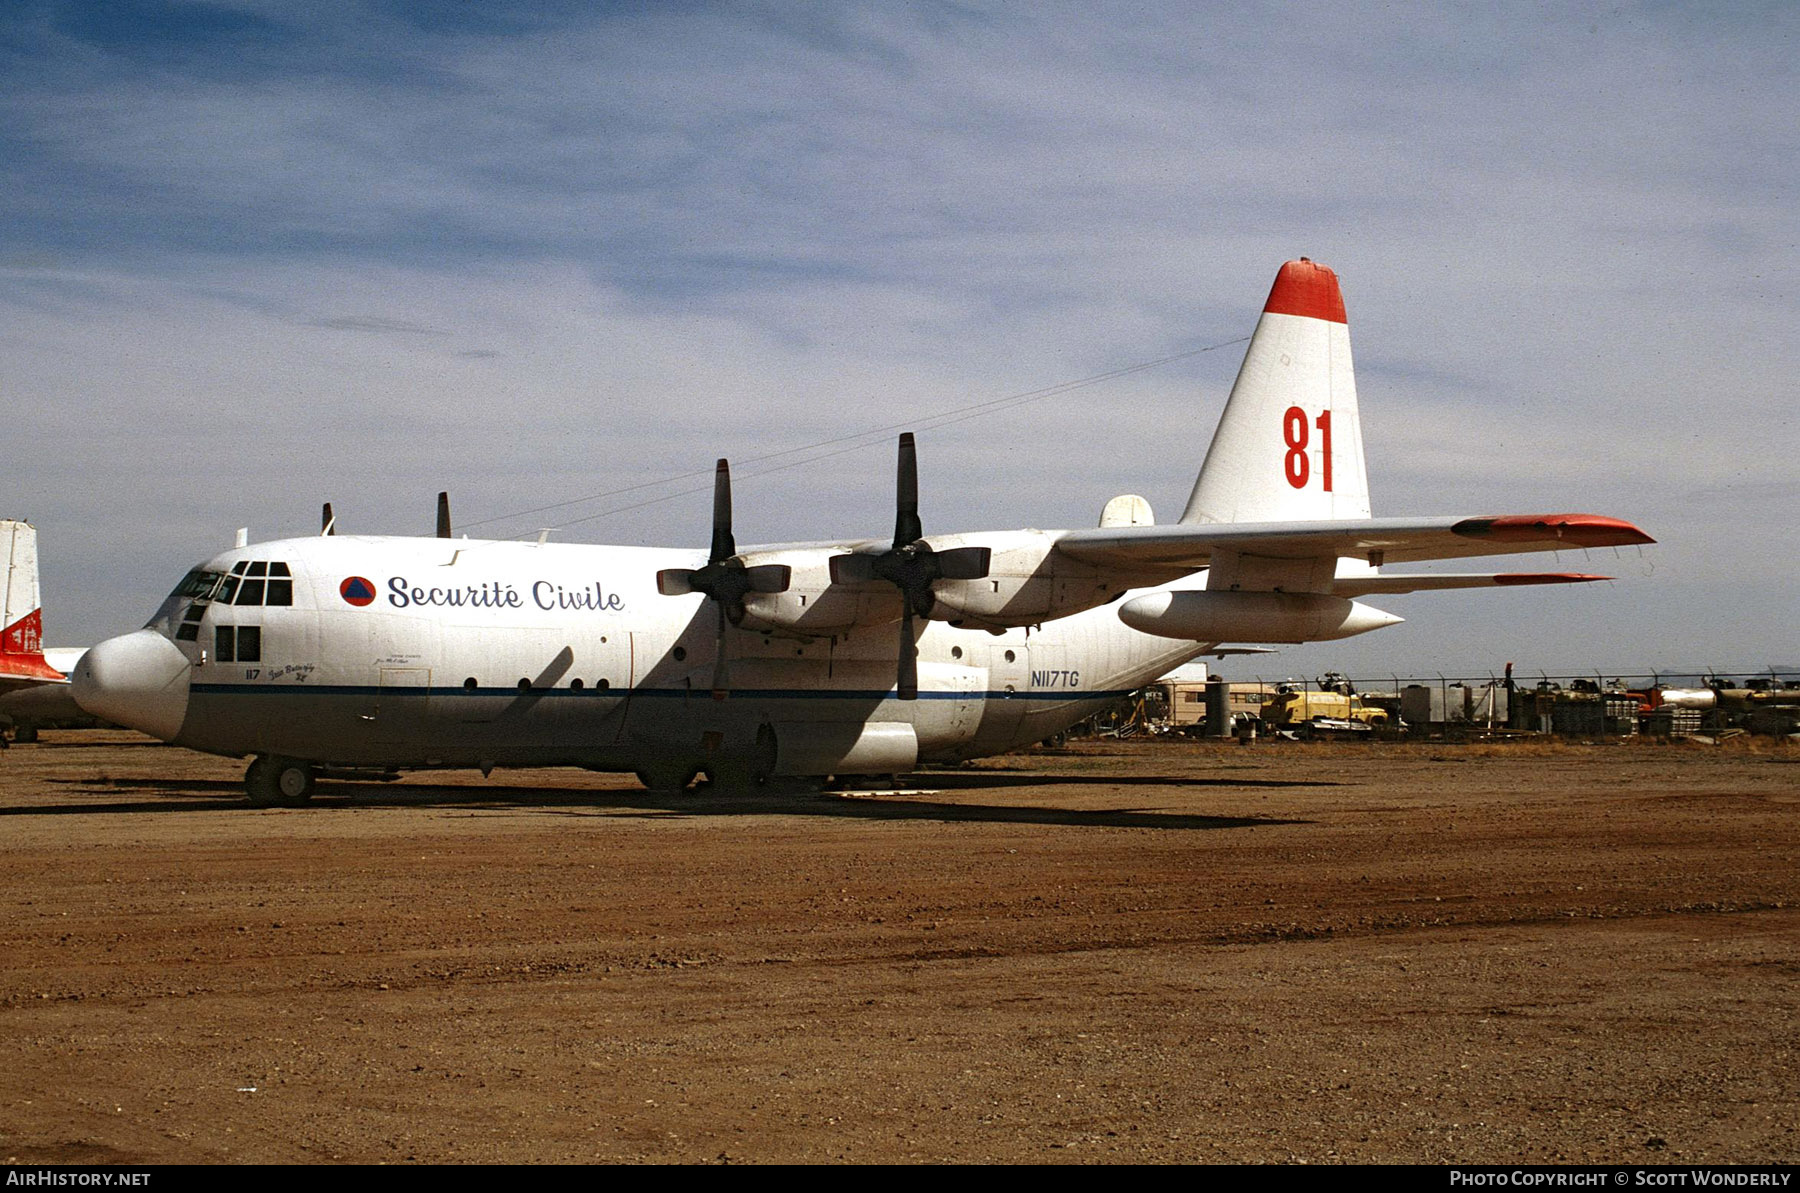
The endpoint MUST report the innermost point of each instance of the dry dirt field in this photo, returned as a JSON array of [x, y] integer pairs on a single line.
[[1113, 952]]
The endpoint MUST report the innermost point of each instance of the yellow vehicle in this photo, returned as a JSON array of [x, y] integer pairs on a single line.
[[1306, 713]]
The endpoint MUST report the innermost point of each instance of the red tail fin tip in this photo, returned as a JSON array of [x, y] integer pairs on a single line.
[[1305, 287]]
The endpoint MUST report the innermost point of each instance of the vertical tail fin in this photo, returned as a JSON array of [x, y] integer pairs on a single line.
[[21, 619], [1289, 445]]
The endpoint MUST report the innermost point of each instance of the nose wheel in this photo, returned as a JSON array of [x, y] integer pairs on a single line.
[[273, 781]]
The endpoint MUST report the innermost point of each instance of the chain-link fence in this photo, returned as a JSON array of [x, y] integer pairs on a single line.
[[1590, 707]]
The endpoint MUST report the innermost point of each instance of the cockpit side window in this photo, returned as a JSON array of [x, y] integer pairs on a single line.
[[237, 644], [189, 629], [197, 585]]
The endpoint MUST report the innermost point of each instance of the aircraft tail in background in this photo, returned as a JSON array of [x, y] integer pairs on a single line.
[[21, 615]]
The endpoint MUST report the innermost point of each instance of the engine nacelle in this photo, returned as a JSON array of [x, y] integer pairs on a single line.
[[1252, 616], [1027, 582], [812, 606]]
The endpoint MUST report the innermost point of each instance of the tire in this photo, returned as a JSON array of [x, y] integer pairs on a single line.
[[735, 777], [26, 734], [286, 782], [294, 781], [668, 778]]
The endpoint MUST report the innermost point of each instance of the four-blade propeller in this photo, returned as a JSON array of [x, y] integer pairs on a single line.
[[726, 580], [912, 565]]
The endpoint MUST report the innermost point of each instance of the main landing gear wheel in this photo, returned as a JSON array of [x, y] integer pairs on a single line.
[[669, 778], [735, 777], [284, 781]]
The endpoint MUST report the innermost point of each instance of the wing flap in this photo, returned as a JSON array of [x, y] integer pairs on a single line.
[[1361, 586]]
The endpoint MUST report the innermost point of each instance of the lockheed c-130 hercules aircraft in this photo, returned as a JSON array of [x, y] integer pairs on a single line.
[[347, 655]]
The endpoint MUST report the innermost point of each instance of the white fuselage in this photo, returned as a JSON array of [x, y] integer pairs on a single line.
[[402, 652]]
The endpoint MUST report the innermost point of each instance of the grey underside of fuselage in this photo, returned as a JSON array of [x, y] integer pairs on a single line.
[[421, 728]]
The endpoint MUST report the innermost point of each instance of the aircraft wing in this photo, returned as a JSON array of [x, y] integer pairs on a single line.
[[1190, 546]]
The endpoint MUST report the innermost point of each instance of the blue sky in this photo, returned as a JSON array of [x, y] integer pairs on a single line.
[[254, 257]]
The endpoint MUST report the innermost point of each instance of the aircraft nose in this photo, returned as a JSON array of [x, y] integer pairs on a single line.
[[138, 680]]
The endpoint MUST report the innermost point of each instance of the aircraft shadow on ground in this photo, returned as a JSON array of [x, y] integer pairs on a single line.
[[202, 795], [974, 780]]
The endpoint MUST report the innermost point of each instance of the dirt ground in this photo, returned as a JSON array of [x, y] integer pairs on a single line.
[[1113, 952]]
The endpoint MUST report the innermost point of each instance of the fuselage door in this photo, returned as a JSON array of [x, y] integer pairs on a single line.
[[401, 710], [1008, 684]]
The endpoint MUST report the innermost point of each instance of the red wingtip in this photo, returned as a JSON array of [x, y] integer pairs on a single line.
[[1577, 530], [1508, 579], [1305, 287]]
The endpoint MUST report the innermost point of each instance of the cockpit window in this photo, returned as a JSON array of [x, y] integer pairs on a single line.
[[192, 596], [281, 585], [198, 585], [252, 582], [262, 582]]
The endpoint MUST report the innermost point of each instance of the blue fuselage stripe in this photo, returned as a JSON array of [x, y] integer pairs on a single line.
[[651, 693]]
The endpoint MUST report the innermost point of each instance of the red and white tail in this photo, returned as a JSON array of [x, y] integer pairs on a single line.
[[1289, 445], [21, 618]]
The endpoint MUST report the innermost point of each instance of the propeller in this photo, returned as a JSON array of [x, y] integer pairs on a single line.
[[327, 521], [443, 526], [726, 579], [912, 565]]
